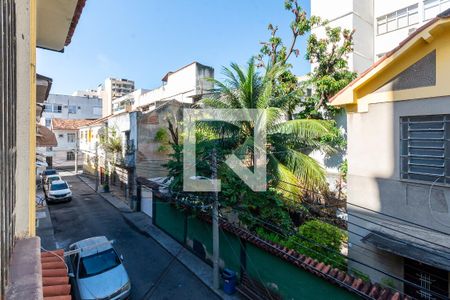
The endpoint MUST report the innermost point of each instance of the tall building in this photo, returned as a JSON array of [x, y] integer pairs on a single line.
[[380, 25], [111, 89]]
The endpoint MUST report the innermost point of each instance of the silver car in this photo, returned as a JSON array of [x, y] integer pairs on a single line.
[[97, 271]]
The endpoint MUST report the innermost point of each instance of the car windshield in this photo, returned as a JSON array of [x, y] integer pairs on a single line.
[[98, 263], [50, 172], [58, 186], [51, 179]]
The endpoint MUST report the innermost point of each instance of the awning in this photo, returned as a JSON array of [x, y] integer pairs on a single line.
[[45, 137], [431, 254]]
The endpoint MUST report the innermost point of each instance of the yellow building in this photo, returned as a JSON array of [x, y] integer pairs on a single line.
[[398, 123], [27, 24]]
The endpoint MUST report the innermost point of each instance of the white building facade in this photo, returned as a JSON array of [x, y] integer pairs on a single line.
[[63, 114], [380, 25], [111, 89], [185, 85]]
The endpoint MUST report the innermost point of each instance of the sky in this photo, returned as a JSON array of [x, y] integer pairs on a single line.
[[142, 40]]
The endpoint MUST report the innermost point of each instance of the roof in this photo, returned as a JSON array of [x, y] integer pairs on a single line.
[[43, 86], [75, 19], [443, 15], [62, 124], [333, 275], [55, 279], [92, 245]]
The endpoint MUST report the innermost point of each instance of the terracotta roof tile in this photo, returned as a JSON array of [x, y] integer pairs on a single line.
[[62, 124], [55, 279]]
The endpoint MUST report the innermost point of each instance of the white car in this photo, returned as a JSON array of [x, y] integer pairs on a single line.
[[97, 271], [50, 178], [58, 190]]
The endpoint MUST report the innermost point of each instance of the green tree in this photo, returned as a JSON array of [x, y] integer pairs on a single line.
[[288, 142], [330, 74]]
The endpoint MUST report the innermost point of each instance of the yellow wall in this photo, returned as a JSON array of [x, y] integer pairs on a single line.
[[358, 97], [32, 116]]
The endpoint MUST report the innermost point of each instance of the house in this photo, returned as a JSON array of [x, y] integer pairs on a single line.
[[66, 153], [69, 112], [398, 118]]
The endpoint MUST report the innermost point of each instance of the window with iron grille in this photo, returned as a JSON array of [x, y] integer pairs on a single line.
[[70, 155], [425, 148], [71, 137]]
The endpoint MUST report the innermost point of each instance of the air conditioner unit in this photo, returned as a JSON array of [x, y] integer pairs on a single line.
[[411, 30]]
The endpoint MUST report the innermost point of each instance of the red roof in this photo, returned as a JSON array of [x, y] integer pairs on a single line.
[[55, 278], [443, 15], [75, 19], [62, 124]]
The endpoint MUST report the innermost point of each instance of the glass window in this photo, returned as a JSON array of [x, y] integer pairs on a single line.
[[431, 8], [58, 186], [48, 107], [48, 122], [70, 155], [98, 263], [61, 135], [72, 109], [57, 108], [423, 148], [71, 137], [398, 19]]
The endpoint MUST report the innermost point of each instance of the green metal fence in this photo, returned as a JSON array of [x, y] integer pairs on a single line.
[[275, 274]]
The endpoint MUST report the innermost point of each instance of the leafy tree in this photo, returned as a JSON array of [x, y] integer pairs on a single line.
[[111, 143], [331, 73], [288, 142]]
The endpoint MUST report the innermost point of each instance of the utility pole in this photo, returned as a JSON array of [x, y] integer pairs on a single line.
[[96, 166], [215, 223], [76, 159]]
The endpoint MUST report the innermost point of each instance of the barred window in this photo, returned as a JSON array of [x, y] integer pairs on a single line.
[[425, 148], [70, 155]]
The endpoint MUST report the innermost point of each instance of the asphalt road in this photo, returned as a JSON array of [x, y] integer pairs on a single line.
[[153, 272]]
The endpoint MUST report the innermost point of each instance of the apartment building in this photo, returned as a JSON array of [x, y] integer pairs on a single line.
[[111, 89], [186, 85], [380, 25], [63, 114]]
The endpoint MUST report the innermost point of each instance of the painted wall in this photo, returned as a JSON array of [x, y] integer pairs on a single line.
[[86, 108], [374, 181]]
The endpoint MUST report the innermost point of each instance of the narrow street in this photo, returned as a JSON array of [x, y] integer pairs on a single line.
[[153, 272]]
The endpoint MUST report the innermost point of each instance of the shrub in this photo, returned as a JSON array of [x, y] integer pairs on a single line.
[[320, 241]]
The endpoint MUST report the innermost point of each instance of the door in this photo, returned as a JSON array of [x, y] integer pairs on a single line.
[[147, 201]]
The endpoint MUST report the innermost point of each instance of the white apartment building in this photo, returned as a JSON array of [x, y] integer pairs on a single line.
[[185, 85], [380, 25], [111, 89], [63, 114]]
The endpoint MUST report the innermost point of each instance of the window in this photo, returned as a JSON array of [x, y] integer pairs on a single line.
[[71, 137], [61, 135], [97, 111], [398, 19], [72, 109], [425, 148], [48, 107], [48, 122], [70, 155], [431, 8]]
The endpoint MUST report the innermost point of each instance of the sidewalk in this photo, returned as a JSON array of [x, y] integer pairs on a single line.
[[143, 223], [44, 226]]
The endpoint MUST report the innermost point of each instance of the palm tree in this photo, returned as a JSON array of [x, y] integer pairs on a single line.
[[288, 141]]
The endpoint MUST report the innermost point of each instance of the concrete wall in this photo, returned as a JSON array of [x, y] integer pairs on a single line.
[[374, 180], [87, 108], [349, 14], [25, 120]]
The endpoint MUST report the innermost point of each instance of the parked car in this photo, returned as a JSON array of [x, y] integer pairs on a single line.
[[57, 191], [50, 178], [47, 172], [97, 271]]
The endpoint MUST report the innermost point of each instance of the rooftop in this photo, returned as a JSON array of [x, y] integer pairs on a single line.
[[62, 124]]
